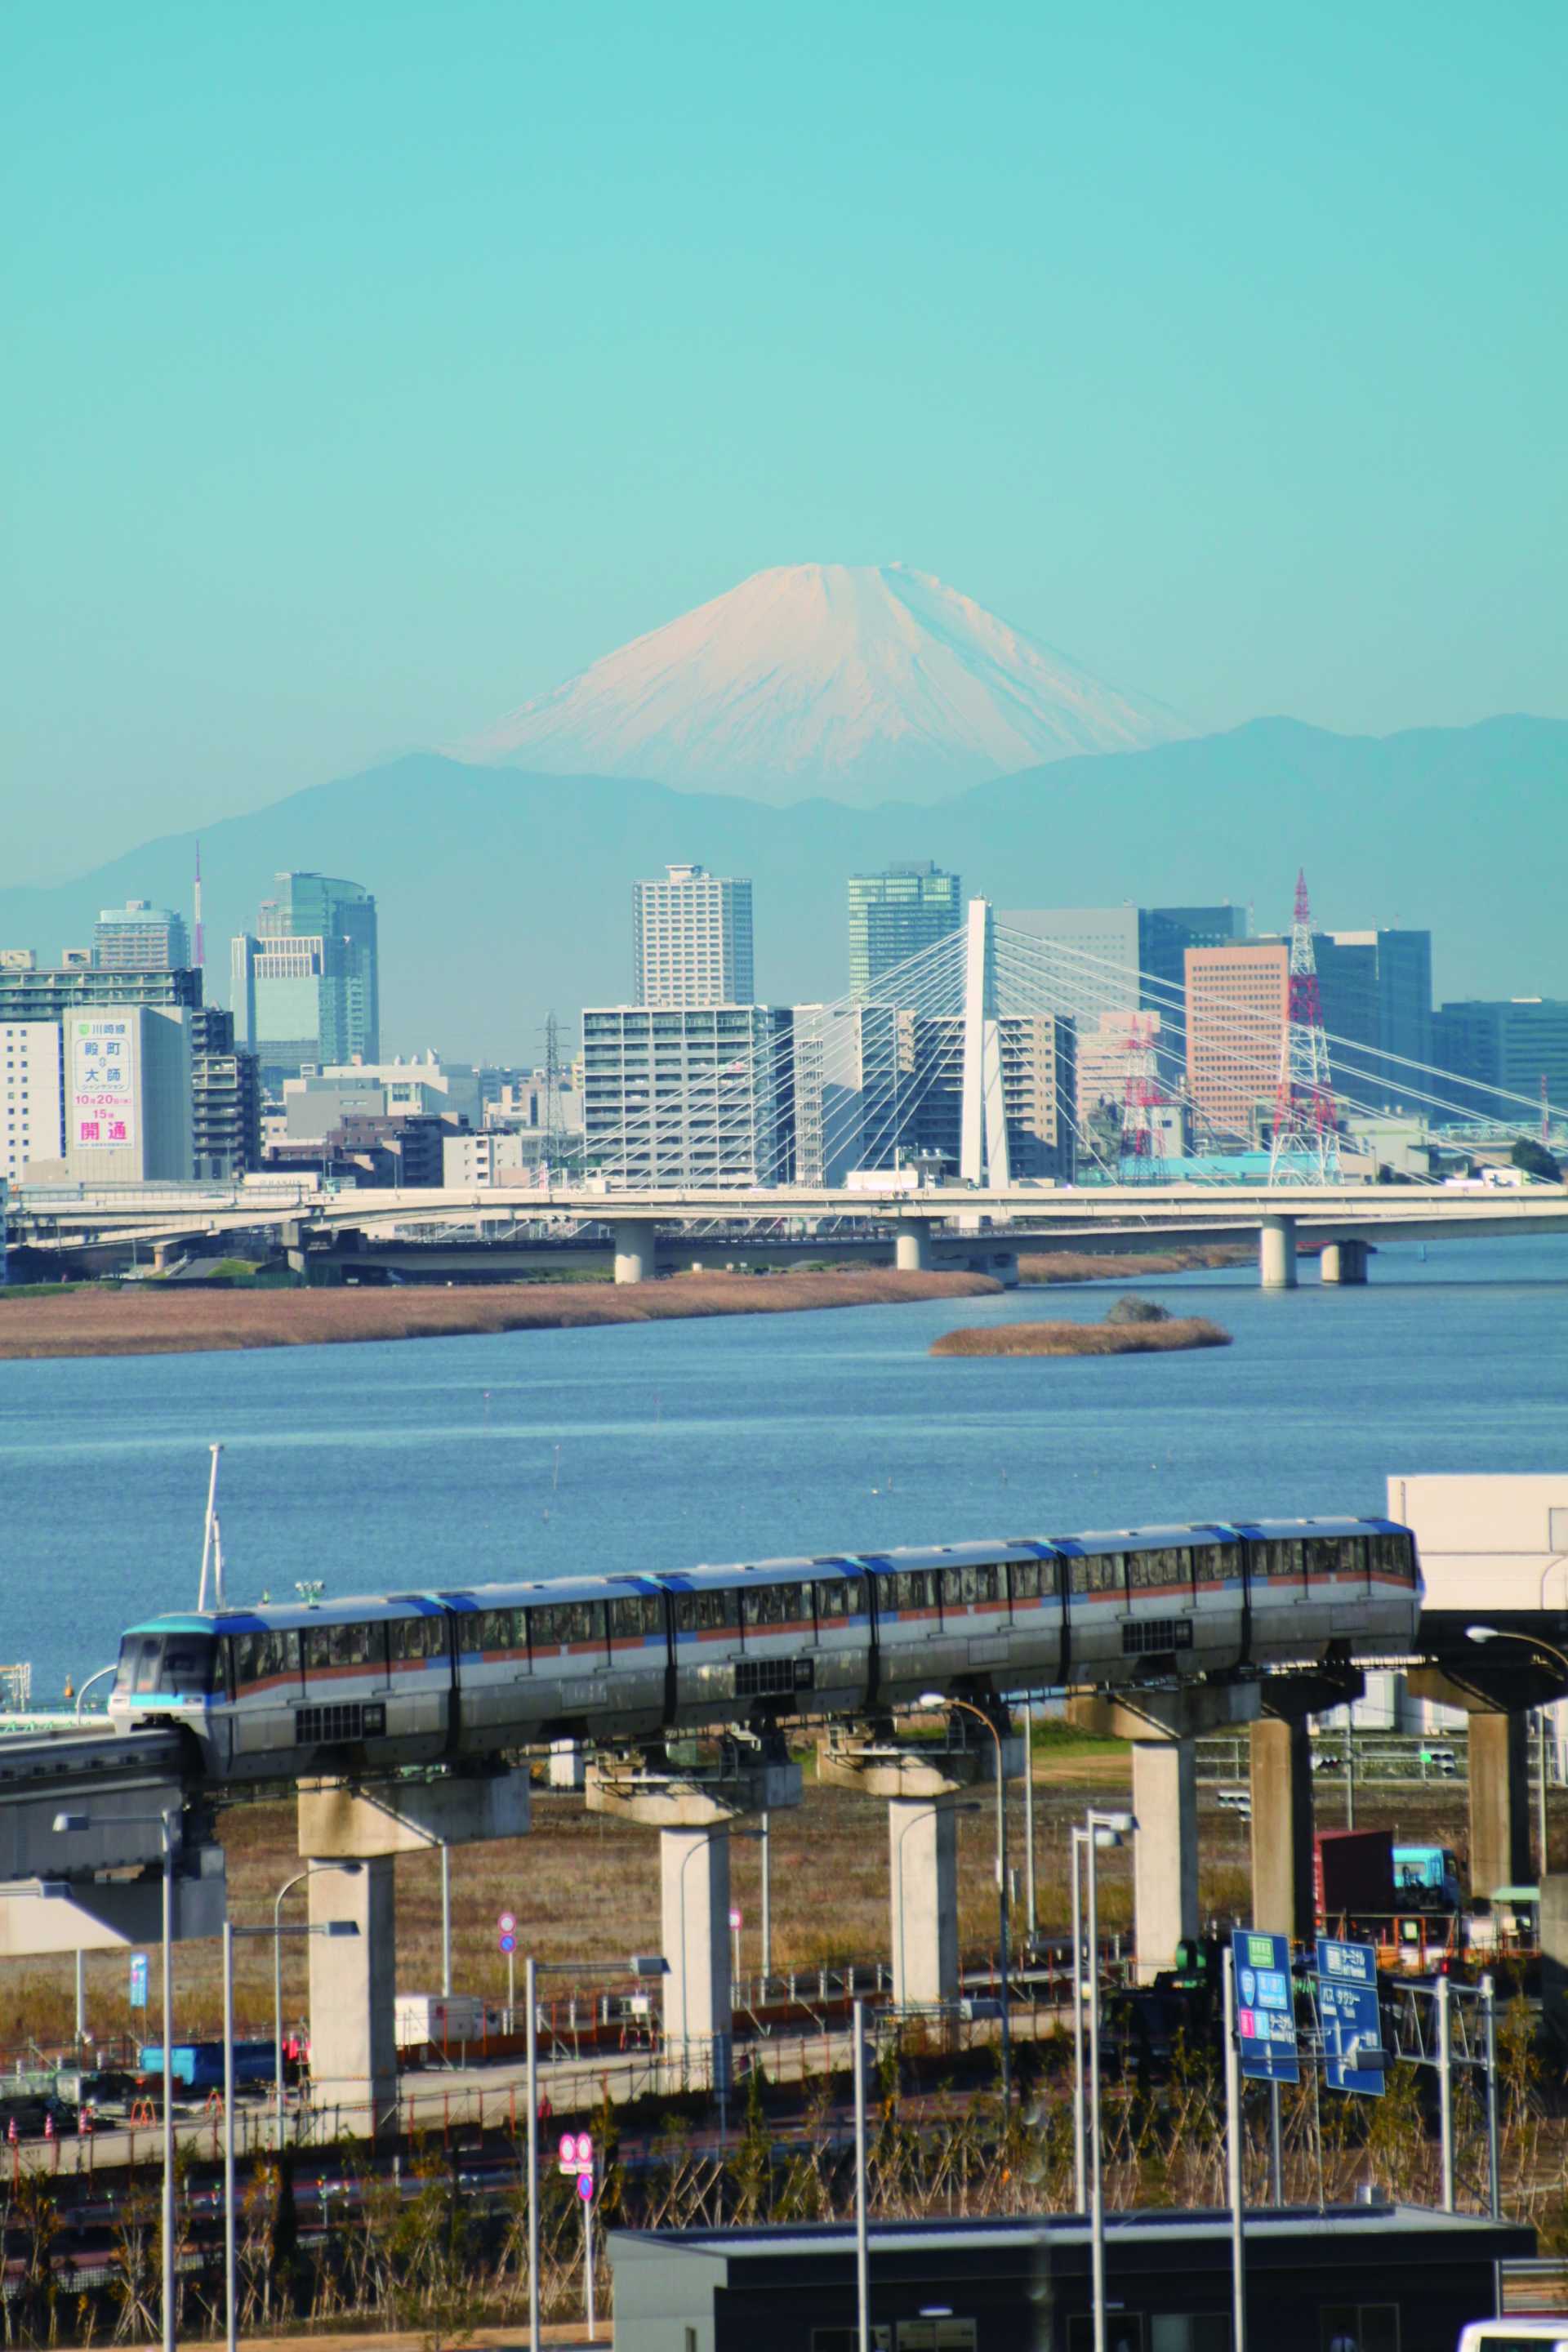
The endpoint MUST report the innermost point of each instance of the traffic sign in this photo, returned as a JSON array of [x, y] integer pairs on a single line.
[[507, 1923], [138, 1980], [507, 1940], [585, 2187], [576, 2153], [736, 1922], [1348, 2013], [1264, 2007]]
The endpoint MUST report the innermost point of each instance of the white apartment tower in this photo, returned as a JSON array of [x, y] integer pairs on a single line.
[[692, 939]]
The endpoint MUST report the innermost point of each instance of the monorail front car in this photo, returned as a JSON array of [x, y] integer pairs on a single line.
[[353, 1685]]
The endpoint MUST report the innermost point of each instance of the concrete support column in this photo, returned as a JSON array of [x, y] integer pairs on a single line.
[[1499, 1801], [354, 1996], [1282, 1828], [1277, 1252], [911, 1247], [694, 1869], [922, 1855], [1164, 1849], [1344, 1263], [636, 1249]]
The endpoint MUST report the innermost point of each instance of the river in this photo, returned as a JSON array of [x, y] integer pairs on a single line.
[[444, 1461]]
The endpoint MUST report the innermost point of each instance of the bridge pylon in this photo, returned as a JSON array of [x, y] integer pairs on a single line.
[[983, 1144]]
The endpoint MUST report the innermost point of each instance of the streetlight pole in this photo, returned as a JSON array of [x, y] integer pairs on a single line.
[[1031, 1910], [940, 1699], [73, 1825], [1098, 1830], [349, 1870], [862, 2241], [1075, 1840]]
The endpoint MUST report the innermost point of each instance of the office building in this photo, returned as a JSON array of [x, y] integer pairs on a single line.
[[226, 1083], [128, 1116], [1375, 988], [846, 1090], [695, 1096], [306, 986], [1101, 960], [32, 1096], [319, 1101], [1238, 1007], [1495, 1048], [140, 936], [894, 914], [691, 940]]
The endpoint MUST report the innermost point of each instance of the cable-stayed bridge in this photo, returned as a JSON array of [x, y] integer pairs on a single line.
[[941, 1106]]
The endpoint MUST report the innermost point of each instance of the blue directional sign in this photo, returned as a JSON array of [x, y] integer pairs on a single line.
[[1348, 2013], [1264, 2007], [138, 1980]]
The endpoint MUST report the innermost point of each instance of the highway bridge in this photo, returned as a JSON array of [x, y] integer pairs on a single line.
[[935, 1224]]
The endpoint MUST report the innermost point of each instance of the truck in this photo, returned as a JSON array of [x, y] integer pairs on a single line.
[[199, 2065], [1352, 1875], [1426, 1878]]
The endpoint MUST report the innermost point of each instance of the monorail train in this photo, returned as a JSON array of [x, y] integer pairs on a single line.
[[353, 1685]]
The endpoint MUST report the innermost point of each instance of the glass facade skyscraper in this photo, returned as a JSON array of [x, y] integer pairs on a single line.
[[307, 988], [894, 914]]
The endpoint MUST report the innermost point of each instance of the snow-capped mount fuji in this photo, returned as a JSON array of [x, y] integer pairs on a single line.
[[859, 683]]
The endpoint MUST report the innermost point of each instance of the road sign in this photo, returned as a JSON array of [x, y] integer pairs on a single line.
[[138, 1980], [736, 1922], [507, 1940], [507, 1924], [576, 2153], [1264, 2007], [585, 2187], [1348, 2013]]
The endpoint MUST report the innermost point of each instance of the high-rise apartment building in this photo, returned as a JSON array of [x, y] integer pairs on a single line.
[[894, 914], [847, 1090], [32, 1096], [691, 940], [306, 986], [1238, 1007], [140, 936], [1038, 1054], [696, 1096]]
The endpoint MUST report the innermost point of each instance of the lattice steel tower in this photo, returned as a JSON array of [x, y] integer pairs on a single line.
[[1306, 1144]]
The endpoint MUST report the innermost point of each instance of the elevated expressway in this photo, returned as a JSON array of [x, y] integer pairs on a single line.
[[938, 1223]]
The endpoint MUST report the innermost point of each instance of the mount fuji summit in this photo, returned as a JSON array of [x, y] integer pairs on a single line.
[[859, 684]]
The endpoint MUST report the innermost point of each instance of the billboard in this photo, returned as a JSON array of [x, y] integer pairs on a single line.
[[102, 1114]]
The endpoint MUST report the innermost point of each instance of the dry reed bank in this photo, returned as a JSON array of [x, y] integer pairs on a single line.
[[1046, 1266], [1082, 1339], [157, 1321]]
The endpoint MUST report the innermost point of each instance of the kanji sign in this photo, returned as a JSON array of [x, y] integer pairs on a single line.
[[1264, 2007], [1348, 2013], [102, 1115]]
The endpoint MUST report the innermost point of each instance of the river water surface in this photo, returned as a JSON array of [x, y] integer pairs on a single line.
[[439, 1462]]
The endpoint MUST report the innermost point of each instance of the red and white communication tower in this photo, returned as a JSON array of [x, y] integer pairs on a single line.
[[1142, 1134], [1305, 1147]]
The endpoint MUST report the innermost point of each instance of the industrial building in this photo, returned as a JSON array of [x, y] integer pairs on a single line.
[[691, 940]]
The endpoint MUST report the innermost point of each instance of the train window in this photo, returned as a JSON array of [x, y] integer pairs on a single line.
[[771, 1605], [911, 1588], [835, 1601], [131, 1654], [568, 1624], [410, 1639], [148, 1665], [265, 1657], [1391, 1556], [1026, 1583], [971, 1586], [344, 1645], [707, 1612], [495, 1629], [188, 1665], [1331, 1556], [633, 1621], [1157, 1570], [1212, 1563], [1098, 1572]]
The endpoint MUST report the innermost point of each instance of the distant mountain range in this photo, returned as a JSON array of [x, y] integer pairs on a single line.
[[862, 683], [503, 892]]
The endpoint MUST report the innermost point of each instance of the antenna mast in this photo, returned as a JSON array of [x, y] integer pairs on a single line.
[[1306, 1143]]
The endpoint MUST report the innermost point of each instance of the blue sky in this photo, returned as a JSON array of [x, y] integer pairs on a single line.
[[380, 365]]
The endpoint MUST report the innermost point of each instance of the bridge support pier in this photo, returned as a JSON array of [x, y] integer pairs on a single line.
[[354, 1979], [920, 1783], [695, 1816], [1277, 1252], [1344, 1263], [1164, 1727], [1281, 1785], [1499, 1801], [637, 1250], [912, 1245]]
